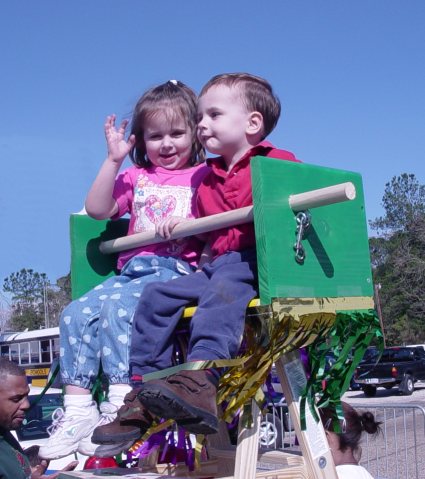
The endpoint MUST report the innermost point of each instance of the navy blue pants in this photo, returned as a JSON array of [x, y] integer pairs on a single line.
[[222, 292]]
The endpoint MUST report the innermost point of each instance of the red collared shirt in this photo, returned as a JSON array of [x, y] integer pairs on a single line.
[[223, 190]]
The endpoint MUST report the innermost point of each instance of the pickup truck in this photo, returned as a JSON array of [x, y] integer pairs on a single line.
[[398, 366]]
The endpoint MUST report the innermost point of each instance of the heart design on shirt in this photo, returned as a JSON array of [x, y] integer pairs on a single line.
[[158, 209]]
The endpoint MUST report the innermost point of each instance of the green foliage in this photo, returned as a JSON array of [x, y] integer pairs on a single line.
[[64, 284], [57, 298], [404, 204], [26, 285], [398, 260], [25, 317], [35, 302], [27, 289]]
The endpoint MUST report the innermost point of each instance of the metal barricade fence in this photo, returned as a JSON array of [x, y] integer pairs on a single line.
[[398, 452]]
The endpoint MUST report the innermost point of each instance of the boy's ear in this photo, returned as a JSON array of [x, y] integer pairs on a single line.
[[255, 123]]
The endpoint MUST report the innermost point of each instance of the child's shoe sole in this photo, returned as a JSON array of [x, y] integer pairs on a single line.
[[164, 403]]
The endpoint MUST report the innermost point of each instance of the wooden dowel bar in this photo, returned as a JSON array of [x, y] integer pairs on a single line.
[[302, 201], [322, 196], [188, 228]]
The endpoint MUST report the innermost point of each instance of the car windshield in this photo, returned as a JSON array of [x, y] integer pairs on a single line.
[[39, 417], [370, 355]]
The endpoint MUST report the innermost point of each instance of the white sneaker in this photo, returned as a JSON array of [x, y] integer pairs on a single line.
[[88, 448], [67, 430]]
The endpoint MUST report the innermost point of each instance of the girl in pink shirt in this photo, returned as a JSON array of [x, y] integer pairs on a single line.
[[95, 329]]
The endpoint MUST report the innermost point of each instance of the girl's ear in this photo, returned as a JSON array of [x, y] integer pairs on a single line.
[[255, 123]]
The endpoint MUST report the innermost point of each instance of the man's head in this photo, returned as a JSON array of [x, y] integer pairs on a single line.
[[235, 112], [14, 392]]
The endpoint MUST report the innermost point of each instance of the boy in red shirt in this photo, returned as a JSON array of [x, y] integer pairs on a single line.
[[236, 113]]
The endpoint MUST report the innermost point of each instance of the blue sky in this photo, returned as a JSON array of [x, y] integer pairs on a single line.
[[350, 75]]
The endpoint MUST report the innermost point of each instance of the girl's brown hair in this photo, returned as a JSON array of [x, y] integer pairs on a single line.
[[176, 100]]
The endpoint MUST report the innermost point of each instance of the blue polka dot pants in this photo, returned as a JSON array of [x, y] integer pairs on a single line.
[[96, 328]]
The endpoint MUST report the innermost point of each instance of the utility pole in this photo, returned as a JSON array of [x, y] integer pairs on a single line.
[[376, 289], [46, 306]]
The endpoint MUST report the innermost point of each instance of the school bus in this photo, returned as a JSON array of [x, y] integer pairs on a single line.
[[34, 350]]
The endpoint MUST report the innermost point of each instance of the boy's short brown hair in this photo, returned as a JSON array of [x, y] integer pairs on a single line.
[[256, 92]]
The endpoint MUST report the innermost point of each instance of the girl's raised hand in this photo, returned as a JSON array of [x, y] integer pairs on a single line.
[[118, 146]]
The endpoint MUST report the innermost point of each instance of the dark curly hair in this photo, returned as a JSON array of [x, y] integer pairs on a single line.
[[9, 368], [176, 100], [351, 428]]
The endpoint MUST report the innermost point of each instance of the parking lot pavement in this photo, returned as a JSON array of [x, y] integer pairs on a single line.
[[387, 396]]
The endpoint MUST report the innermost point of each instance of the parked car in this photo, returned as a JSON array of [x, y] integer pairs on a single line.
[[330, 360], [398, 366], [34, 431], [276, 425]]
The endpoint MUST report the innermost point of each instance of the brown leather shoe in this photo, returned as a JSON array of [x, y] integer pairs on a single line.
[[132, 421], [188, 397]]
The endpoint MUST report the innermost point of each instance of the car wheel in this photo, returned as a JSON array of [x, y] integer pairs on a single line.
[[369, 391], [271, 431], [407, 386], [354, 386]]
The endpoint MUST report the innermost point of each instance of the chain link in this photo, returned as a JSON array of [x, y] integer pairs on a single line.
[[303, 220]]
